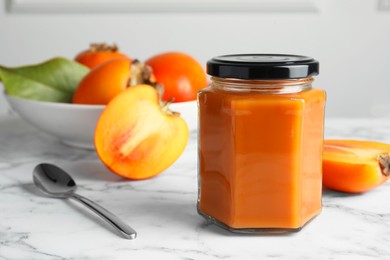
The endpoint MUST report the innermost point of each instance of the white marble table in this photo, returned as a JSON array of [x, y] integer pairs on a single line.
[[163, 209]]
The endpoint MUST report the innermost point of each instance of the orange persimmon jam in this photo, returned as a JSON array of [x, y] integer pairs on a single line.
[[260, 143]]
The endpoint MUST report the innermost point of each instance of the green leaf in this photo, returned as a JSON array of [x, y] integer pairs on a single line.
[[54, 80]]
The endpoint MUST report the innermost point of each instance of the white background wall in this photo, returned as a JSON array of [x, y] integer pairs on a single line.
[[350, 38]]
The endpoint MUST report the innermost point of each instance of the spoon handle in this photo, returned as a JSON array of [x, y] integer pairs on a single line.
[[125, 230]]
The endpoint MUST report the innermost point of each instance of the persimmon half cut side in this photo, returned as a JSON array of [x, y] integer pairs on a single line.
[[136, 138], [355, 166]]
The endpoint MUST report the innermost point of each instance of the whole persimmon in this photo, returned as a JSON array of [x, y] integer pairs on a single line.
[[108, 79], [98, 53], [137, 136], [180, 74], [355, 166]]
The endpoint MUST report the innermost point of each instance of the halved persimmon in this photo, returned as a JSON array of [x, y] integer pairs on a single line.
[[137, 137], [355, 166], [108, 79], [99, 53]]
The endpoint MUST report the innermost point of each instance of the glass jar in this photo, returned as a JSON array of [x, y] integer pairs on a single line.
[[260, 143]]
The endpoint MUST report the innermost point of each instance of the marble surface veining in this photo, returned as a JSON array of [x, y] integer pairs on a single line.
[[163, 209]]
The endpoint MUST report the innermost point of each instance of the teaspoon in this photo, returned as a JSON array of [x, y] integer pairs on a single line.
[[56, 183]]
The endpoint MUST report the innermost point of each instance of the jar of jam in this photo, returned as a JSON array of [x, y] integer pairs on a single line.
[[260, 142]]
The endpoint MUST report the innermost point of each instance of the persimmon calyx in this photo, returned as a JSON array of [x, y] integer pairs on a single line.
[[384, 163], [140, 73], [95, 47]]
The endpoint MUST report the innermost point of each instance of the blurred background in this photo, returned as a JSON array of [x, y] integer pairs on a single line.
[[350, 38]]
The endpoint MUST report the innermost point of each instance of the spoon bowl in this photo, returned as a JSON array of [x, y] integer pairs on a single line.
[[56, 183], [53, 181]]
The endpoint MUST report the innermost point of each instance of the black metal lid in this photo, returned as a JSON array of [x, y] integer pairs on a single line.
[[262, 66]]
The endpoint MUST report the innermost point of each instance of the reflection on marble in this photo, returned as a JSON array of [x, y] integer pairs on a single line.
[[163, 210]]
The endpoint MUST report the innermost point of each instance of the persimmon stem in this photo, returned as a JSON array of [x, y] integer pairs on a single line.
[[384, 163], [165, 107]]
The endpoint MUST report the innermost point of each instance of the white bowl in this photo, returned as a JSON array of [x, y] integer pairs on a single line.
[[75, 124]]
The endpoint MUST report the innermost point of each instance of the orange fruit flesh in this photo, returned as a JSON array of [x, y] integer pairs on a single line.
[[352, 165], [135, 139]]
